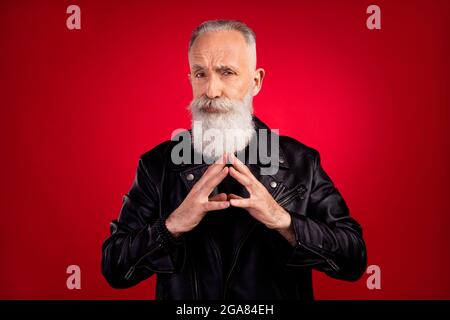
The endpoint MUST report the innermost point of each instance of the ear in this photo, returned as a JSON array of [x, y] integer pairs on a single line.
[[258, 80]]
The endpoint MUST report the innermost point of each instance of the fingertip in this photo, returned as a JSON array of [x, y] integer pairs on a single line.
[[223, 197], [223, 205], [234, 158], [219, 160]]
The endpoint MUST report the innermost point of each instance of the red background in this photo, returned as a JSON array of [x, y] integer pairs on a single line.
[[79, 107]]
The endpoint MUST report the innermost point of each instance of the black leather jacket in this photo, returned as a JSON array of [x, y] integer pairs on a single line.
[[260, 263]]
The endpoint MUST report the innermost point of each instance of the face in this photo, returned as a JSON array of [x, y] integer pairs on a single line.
[[222, 66], [224, 81]]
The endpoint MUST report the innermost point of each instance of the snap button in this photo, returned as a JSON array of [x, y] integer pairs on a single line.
[[190, 177], [281, 160], [273, 184]]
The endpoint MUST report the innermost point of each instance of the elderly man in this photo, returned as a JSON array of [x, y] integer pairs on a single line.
[[226, 230]]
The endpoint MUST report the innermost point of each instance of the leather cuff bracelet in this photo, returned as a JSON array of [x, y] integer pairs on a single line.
[[166, 236]]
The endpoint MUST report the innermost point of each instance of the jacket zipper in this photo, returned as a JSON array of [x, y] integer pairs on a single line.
[[300, 190], [216, 253], [330, 262], [133, 267], [196, 296], [235, 261]]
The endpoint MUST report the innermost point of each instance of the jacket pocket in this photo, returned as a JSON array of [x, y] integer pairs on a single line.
[[290, 195]]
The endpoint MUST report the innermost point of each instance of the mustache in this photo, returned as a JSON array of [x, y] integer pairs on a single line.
[[219, 105]]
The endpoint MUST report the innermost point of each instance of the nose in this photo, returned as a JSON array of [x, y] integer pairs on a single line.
[[213, 87]]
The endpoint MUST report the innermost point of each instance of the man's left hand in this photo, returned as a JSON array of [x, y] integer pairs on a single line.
[[261, 205]]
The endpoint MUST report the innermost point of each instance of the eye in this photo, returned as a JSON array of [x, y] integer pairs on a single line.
[[227, 73], [200, 75]]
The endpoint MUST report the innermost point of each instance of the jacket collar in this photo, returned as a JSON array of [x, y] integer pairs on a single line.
[[191, 173], [259, 125]]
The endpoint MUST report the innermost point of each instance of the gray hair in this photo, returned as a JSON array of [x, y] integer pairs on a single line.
[[221, 25]]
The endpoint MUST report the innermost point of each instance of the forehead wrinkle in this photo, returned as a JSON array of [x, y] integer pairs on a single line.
[[212, 63], [207, 55]]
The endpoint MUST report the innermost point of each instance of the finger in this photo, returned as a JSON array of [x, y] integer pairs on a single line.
[[209, 185], [223, 159], [239, 166], [216, 205], [234, 196], [241, 178], [219, 197], [241, 203], [212, 170]]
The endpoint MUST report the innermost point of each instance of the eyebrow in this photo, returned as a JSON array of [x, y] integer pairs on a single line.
[[197, 67], [220, 68], [225, 68]]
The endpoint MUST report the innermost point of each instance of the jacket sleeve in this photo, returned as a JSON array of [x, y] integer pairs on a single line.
[[327, 238], [139, 245]]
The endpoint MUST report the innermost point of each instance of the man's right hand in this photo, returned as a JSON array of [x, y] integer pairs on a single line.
[[197, 203]]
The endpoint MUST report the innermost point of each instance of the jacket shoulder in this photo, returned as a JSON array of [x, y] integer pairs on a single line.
[[153, 160], [158, 151], [295, 150]]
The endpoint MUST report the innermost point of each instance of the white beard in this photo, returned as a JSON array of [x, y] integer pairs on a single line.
[[229, 130]]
